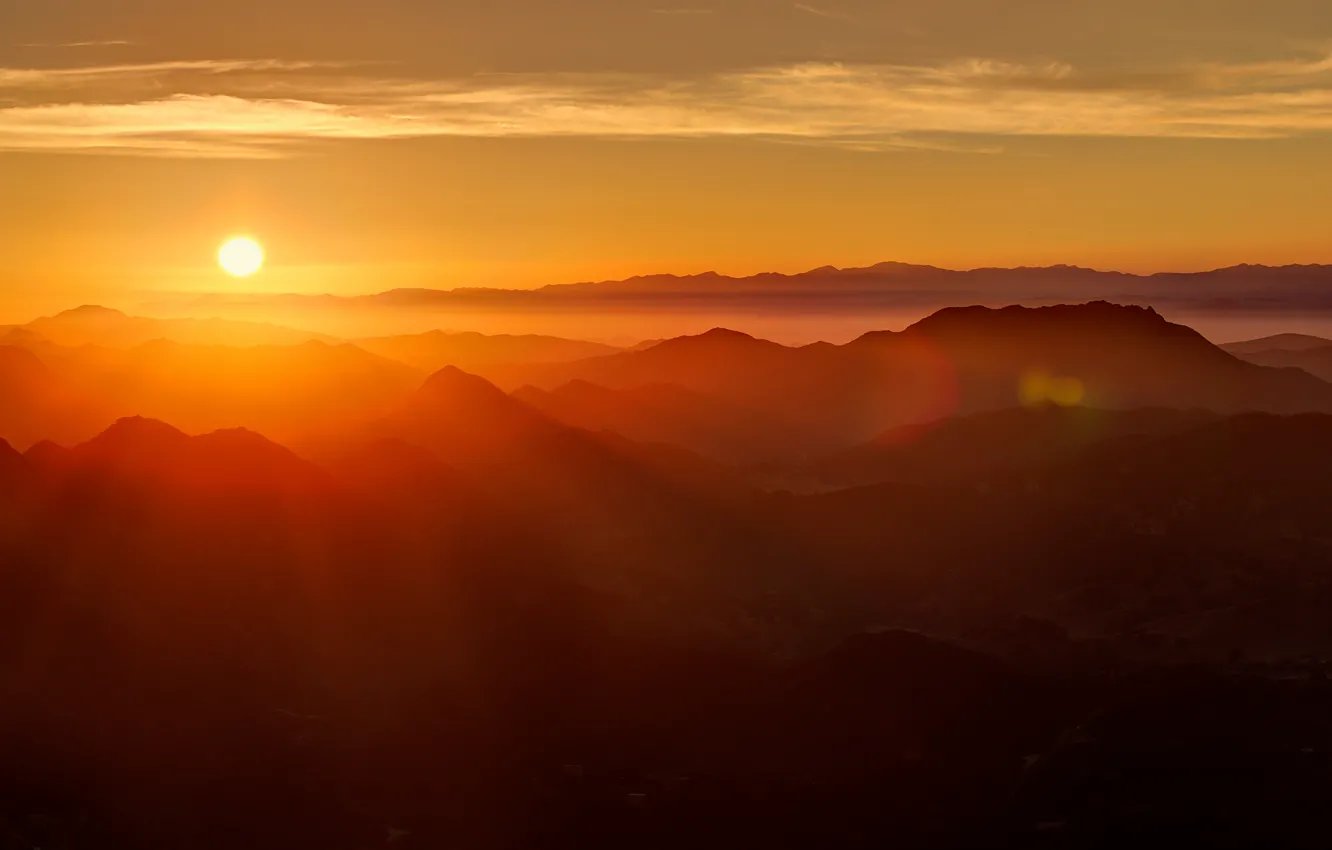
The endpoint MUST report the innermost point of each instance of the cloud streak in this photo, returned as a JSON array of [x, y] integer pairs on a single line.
[[73, 45], [273, 108], [824, 13], [35, 79]]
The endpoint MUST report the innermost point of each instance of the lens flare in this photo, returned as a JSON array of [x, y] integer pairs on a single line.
[[1042, 388]]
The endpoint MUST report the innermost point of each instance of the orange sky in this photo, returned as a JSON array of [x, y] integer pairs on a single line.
[[526, 142]]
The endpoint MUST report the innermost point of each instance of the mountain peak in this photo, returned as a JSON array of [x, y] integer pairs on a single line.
[[135, 434], [1068, 316], [725, 333], [46, 454], [454, 382], [92, 311]]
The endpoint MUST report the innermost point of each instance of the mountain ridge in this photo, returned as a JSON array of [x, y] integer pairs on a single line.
[[887, 278]]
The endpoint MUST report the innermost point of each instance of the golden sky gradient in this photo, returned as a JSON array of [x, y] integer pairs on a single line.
[[525, 142]]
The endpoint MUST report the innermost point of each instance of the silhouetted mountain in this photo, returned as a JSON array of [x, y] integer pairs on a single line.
[[102, 326], [466, 418], [883, 287], [138, 448], [473, 425], [1123, 357], [47, 456], [437, 349], [958, 361]]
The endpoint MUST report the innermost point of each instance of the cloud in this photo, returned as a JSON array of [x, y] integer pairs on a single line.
[[273, 108], [40, 78], [824, 13], [69, 45]]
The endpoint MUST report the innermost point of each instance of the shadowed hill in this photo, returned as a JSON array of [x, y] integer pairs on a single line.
[[1212, 535], [1316, 360], [138, 448], [663, 413], [473, 425], [971, 449]]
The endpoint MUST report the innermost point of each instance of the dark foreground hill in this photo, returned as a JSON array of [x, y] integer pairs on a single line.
[[969, 450]]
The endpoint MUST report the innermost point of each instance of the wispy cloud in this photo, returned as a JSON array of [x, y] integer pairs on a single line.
[[71, 45], [39, 78], [272, 108], [824, 13]]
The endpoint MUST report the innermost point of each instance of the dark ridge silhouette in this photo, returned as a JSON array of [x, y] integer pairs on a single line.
[[137, 447], [133, 440], [465, 417], [959, 361], [473, 425], [884, 287], [434, 350]]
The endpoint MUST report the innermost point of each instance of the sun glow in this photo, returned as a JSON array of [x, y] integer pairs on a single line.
[[241, 257]]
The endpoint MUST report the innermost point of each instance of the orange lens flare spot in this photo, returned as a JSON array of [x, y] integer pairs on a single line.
[[1042, 388]]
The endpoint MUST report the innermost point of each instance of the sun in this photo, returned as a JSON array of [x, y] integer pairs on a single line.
[[241, 257]]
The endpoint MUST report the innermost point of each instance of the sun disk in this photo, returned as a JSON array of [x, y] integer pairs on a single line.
[[241, 257]]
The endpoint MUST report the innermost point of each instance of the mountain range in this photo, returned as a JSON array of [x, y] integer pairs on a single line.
[[1051, 571], [724, 395], [957, 361], [882, 286]]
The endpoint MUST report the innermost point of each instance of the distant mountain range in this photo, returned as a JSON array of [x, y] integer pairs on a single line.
[[883, 286]]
